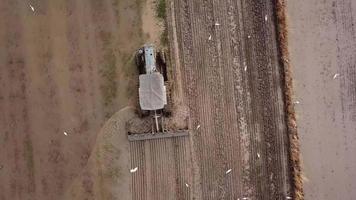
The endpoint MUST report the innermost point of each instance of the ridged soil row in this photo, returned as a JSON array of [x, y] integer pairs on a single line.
[[162, 169], [231, 142], [201, 20], [190, 70], [216, 81], [157, 168], [138, 187], [240, 70], [281, 142], [268, 166], [181, 190], [146, 174], [154, 172], [246, 121], [134, 185], [256, 51], [185, 154]]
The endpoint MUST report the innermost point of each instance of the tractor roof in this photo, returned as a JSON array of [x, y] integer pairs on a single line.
[[152, 92]]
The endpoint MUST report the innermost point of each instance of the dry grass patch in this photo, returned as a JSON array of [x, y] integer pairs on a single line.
[[294, 150]]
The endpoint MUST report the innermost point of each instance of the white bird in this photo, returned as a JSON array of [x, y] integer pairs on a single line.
[[217, 24], [198, 126], [249, 36], [186, 184], [65, 133], [134, 170], [209, 37], [296, 102], [228, 171], [258, 155], [289, 197], [336, 75], [266, 17], [32, 8], [245, 66]]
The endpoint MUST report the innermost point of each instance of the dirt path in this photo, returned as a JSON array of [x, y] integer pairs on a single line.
[[66, 67], [323, 44], [152, 28]]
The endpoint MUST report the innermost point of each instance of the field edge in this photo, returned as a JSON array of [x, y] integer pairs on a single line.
[[294, 145]]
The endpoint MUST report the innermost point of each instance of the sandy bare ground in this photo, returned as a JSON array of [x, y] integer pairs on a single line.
[[64, 67], [107, 173], [323, 56]]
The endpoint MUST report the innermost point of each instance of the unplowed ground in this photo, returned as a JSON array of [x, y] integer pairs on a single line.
[[323, 56], [64, 67], [232, 82]]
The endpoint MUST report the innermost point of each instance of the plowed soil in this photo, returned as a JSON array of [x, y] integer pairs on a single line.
[[164, 169], [232, 82], [226, 69]]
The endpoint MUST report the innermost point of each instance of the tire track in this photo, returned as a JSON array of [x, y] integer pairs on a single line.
[[16, 129], [44, 94]]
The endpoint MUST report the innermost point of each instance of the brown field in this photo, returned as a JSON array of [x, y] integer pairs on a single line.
[[233, 87], [64, 67], [68, 67], [232, 84], [323, 44]]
